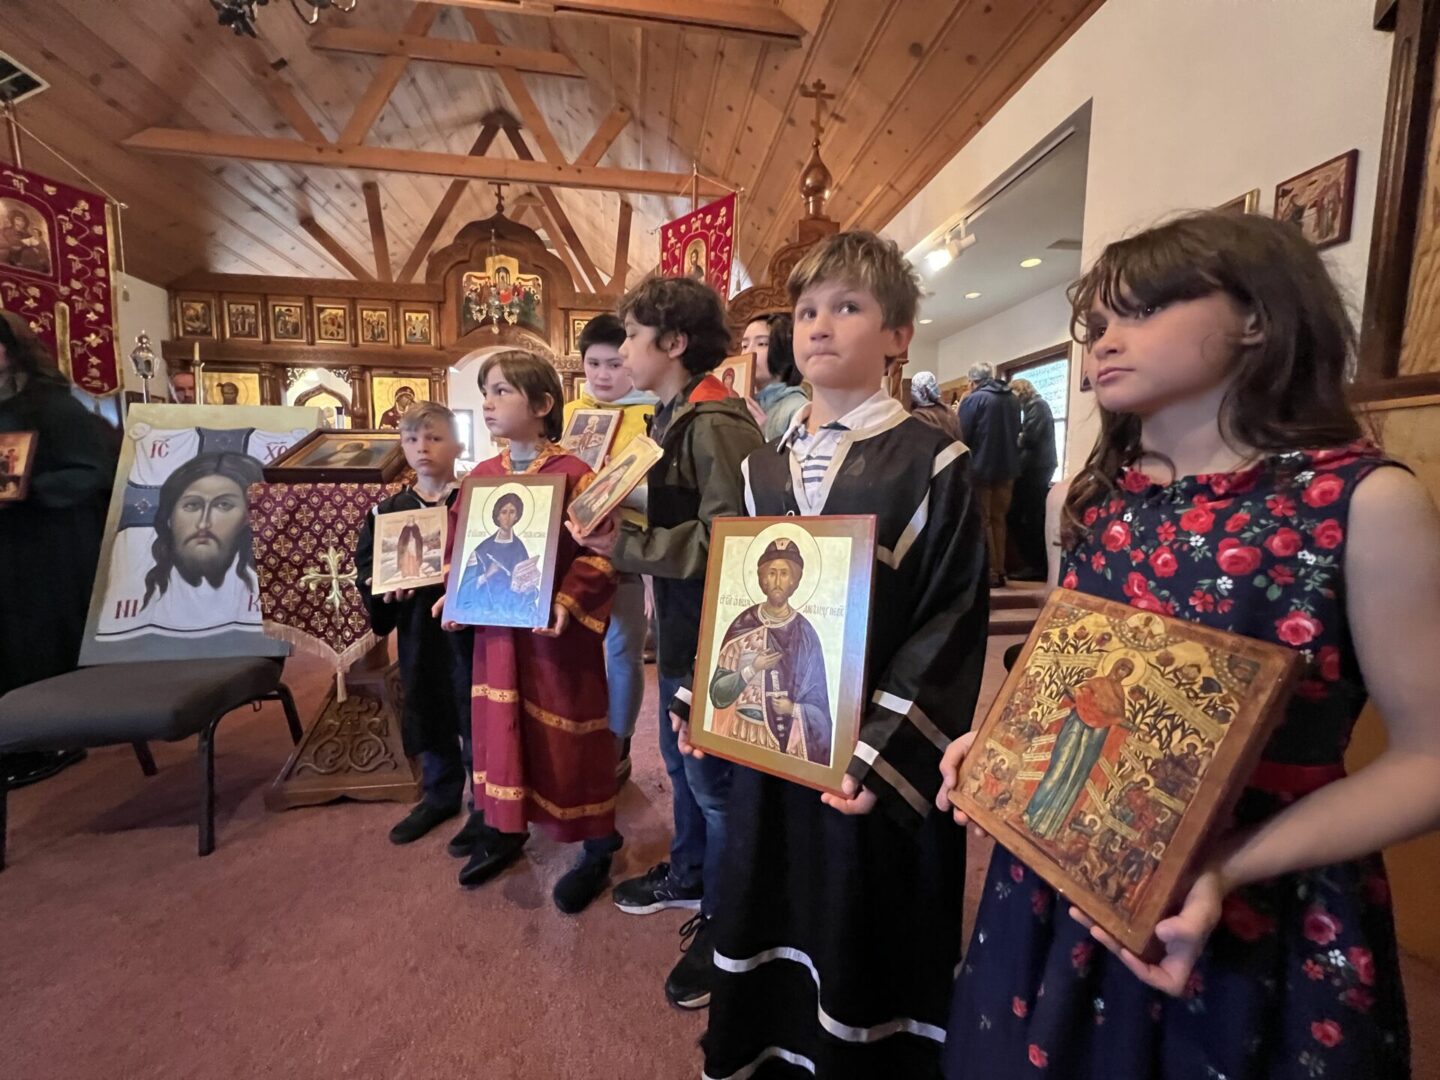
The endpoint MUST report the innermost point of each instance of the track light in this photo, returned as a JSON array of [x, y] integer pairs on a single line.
[[950, 248]]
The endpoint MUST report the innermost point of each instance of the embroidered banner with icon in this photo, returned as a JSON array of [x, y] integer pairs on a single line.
[[699, 245], [57, 268]]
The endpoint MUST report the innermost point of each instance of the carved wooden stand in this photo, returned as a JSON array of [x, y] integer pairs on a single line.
[[353, 750]]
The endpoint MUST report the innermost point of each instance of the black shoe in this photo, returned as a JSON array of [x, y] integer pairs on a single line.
[[463, 844], [424, 817], [622, 767], [583, 882], [689, 983], [21, 770], [491, 857], [656, 891]]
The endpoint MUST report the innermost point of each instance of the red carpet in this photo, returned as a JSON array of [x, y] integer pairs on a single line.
[[307, 946]]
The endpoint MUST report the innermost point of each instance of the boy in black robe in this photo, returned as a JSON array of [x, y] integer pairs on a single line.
[[434, 664], [839, 934]]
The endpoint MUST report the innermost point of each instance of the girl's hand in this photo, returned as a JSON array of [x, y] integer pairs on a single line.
[[856, 800], [1184, 935], [682, 737], [950, 779], [559, 621], [756, 412]]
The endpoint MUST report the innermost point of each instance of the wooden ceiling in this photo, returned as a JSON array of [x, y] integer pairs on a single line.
[[625, 99]]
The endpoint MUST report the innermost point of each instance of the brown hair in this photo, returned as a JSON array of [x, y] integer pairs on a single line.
[[425, 412], [682, 306], [1287, 393], [26, 352], [534, 378], [869, 261]]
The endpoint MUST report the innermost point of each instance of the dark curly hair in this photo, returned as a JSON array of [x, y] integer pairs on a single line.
[[673, 306], [780, 358], [26, 353], [603, 329]]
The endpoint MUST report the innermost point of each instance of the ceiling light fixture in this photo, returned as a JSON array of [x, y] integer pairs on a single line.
[[926, 322], [239, 15], [1030, 263], [949, 249], [972, 296]]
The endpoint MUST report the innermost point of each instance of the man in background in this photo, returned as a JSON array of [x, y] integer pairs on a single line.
[[1037, 466], [990, 427]]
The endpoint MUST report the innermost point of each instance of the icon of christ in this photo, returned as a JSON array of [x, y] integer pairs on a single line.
[[769, 686]]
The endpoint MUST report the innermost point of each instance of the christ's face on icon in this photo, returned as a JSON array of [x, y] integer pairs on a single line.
[[207, 523], [779, 579]]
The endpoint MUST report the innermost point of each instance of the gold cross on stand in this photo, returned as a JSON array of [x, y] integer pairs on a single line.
[[816, 92], [499, 198]]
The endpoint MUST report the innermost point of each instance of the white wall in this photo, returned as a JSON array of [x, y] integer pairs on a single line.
[[148, 309], [1193, 103], [1032, 325]]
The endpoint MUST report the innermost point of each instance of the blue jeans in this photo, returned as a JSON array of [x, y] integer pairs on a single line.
[[699, 793], [624, 655]]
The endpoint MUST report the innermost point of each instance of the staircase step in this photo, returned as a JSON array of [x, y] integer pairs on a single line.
[[1012, 622], [1009, 598]]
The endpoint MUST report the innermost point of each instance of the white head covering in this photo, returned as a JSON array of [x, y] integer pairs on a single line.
[[925, 388]]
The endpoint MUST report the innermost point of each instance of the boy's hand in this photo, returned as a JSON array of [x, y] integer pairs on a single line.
[[756, 412], [397, 596], [682, 737], [856, 800], [950, 779], [602, 539], [560, 620], [649, 597], [437, 609]]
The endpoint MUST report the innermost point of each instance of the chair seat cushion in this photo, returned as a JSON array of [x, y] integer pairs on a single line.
[[117, 703]]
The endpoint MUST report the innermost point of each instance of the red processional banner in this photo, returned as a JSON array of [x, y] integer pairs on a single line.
[[699, 245], [57, 269]]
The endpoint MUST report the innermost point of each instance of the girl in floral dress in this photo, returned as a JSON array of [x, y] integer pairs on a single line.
[[1231, 485]]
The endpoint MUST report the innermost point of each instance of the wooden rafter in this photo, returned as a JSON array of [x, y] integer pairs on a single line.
[[605, 136], [443, 209], [336, 250], [622, 247], [378, 239], [177, 141], [444, 51], [531, 114], [768, 23], [391, 71], [589, 276], [281, 95], [551, 230]]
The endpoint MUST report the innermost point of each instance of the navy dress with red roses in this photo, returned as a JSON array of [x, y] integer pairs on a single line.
[[1300, 978]]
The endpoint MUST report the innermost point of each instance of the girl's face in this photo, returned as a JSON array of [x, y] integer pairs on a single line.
[[605, 374], [647, 362], [1166, 353], [508, 412], [757, 340]]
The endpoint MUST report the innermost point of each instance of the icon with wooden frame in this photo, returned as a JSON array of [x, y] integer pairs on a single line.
[[589, 434], [502, 568], [340, 457], [195, 316], [376, 324], [243, 320], [409, 549], [622, 475], [417, 327], [780, 672], [287, 319], [737, 374], [332, 322], [17, 461], [1321, 201], [1116, 749]]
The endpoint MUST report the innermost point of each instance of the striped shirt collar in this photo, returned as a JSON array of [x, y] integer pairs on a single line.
[[878, 408]]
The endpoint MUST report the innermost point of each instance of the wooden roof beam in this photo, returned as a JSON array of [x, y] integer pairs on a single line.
[[622, 248], [753, 20], [605, 136], [557, 240], [589, 276], [210, 144], [336, 250], [444, 209], [444, 51], [378, 240], [387, 77]]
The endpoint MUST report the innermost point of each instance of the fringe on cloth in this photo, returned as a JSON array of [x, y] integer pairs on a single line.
[[309, 643]]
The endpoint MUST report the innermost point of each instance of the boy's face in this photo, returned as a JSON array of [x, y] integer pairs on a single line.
[[645, 360], [508, 412], [840, 338], [605, 374], [431, 449]]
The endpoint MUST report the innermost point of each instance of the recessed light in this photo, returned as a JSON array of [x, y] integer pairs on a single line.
[[1028, 263], [972, 296], [926, 322]]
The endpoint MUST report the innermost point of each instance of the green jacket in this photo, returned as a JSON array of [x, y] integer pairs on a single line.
[[705, 439]]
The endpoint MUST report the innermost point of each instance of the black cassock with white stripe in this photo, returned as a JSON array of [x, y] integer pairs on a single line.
[[838, 936]]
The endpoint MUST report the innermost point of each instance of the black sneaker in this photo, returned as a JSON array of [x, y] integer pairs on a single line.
[[424, 817], [583, 882], [690, 980], [656, 891], [491, 857], [463, 844]]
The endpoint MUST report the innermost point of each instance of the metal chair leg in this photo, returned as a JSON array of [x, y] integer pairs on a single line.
[[207, 787], [146, 759], [292, 715]]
